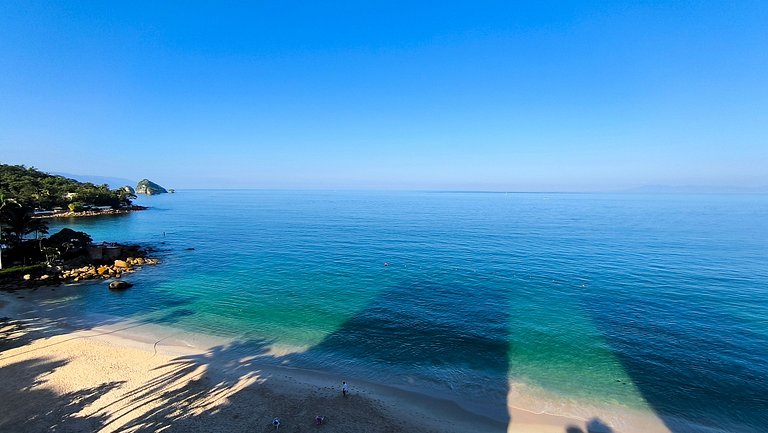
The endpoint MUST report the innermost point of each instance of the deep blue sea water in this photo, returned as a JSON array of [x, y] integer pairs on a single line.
[[653, 302]]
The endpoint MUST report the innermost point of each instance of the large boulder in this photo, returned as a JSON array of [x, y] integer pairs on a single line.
[[145, 186], [119, 285]]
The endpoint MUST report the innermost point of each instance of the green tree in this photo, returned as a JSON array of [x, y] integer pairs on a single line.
[[125, 197], [3, 203], [36, 189], [17, 222]]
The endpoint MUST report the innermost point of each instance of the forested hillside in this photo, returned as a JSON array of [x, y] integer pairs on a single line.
[[35, 189]]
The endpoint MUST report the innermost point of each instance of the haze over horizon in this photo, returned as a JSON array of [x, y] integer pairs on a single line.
[[115, 182], [543, 96]]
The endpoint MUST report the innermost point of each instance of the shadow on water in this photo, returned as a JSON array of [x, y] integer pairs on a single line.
[[396, 333], [404, 338], [400, 334], [690, 366], [217, 386]]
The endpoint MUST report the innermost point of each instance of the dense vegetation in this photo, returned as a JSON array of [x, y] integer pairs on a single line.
[[25, 256], [34, 189], [23, 190], [16, 222]]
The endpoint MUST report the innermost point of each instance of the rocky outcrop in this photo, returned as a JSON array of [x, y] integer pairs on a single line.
[[53, 276], [129, 189], [115, 270], [85, 262], [145, 186]]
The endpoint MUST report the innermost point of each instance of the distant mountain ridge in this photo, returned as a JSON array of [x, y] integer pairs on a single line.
[[113, 182], [695, 189]]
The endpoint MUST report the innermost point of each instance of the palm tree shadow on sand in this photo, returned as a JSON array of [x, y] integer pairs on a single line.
[[34, 408], [407, 339], [218, 387]]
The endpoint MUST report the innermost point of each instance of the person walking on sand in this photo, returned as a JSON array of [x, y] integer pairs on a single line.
[[344, 388]]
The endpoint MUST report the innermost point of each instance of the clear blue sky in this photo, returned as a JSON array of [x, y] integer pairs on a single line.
[[582, 95]]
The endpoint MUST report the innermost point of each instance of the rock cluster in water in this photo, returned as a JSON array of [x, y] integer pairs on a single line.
[[120, 285], [53, 276], [115, 270]]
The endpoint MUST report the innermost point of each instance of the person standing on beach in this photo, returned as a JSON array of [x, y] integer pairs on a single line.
[[344, 388]]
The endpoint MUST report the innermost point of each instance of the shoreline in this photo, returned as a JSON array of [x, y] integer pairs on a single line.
[[40, 275], [92, 213], [126, 345], [122, 341]]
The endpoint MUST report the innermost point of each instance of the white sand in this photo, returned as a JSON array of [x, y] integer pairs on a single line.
[[128, 378]]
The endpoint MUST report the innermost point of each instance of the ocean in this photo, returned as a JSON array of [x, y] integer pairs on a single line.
[[560, 303]]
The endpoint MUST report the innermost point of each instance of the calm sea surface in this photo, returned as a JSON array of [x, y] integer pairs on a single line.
[[655, 302]]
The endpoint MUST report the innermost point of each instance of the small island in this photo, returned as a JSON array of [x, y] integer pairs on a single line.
[[146, 186]]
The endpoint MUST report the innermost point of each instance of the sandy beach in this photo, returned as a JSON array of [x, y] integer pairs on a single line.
[[66, 374]]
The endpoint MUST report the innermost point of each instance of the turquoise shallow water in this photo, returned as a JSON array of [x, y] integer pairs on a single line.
[[655, 302]]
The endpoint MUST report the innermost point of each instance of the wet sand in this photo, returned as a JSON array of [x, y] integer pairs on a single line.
[[133, 377]]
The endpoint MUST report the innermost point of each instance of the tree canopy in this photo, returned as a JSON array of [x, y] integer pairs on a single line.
[[17, 222], [35, 189]]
